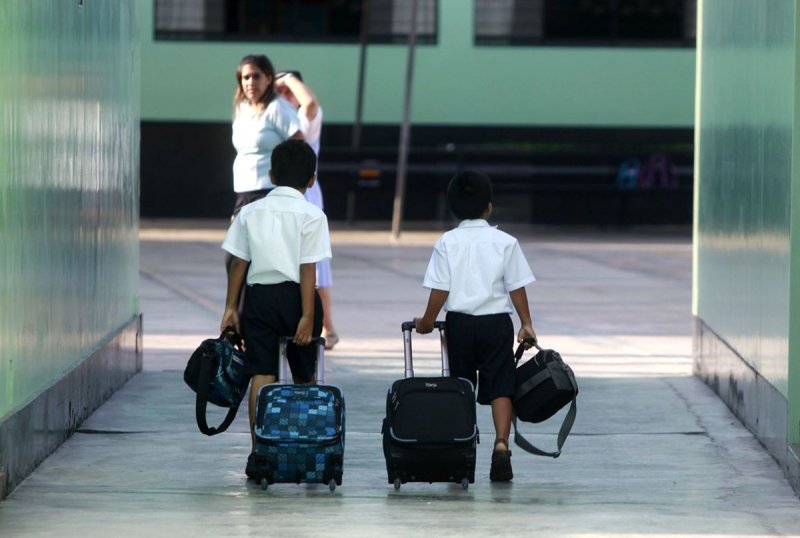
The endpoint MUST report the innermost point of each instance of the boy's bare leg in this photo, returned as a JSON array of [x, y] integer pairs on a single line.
[[256, 383], [501, 415], [501, 455]]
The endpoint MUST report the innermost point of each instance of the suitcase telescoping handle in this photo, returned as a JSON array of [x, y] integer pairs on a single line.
[[408, 326], [283, 360]]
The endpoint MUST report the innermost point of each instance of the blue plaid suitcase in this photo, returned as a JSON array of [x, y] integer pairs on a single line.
[[300, 430]]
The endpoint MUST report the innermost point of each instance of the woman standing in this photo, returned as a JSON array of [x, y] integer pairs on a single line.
[[261, 121], [290, 86]]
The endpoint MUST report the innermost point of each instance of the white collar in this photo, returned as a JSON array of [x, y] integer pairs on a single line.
[[473, 223], [286, 191]]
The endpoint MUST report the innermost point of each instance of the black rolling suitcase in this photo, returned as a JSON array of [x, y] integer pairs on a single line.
[[430, 431]]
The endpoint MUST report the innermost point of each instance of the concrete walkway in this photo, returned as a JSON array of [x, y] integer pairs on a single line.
[[653, 452]]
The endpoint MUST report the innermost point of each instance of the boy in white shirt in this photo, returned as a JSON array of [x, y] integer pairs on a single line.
[[477, 273], [280, 238]]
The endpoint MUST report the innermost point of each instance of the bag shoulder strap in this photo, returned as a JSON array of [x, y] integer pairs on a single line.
[[563, 432], [201, 402]]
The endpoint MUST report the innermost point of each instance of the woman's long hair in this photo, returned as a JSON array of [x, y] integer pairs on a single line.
[[261, 62]]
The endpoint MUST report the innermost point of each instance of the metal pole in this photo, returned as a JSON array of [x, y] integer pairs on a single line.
[[405, 135], [362, 63]]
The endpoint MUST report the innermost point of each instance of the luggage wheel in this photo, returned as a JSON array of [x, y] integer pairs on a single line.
[[397, 484], [332, 484], [264, 484], [464, 483]]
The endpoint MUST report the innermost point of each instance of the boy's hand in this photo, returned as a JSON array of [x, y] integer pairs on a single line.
[[422, 326], [230, 319], [302, 335], [526, 331]]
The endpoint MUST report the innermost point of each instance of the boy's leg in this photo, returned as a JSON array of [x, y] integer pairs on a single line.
[[261, 328], [501, 415], [256, 383], [496, 386]]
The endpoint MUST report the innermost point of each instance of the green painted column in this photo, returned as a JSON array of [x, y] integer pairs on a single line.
[[794, 287], [69, 185]]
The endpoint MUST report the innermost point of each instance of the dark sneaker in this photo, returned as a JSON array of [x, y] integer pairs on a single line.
[[501, 466]]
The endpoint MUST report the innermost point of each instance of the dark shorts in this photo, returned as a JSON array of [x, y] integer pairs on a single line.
[[270, 312], [482, 344]]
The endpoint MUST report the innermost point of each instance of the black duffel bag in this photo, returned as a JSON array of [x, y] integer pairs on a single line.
[[543, 385], [216, 371]]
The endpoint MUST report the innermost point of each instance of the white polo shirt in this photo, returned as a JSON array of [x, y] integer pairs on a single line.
[[278, 233], [478, 265], [254, 138]]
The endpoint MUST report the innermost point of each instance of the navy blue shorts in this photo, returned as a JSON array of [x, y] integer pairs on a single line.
[[481, 349], [270, 312]]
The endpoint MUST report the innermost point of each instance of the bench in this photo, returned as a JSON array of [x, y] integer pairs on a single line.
[[541, 188]]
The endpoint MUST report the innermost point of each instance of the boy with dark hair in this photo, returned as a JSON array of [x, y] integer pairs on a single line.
[[280, 238], [477, 273]]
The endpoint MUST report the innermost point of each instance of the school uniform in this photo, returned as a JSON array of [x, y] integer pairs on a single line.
[[478, 265], [277, 234]]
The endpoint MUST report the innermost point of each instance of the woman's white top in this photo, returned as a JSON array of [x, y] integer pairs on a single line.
[[254, 138]]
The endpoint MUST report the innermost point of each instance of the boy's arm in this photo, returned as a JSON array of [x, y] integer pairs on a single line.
[[436, 301], [308, 284], [519, 298], [236, 278]]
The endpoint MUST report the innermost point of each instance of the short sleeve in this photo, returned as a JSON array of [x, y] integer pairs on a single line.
[[517, 271], [437, 276], [236, 241], [315, 244], [284, 117]]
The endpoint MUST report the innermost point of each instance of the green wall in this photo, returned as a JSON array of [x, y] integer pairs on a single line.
[[455, 82], [69, 175], [745, 111], [794, 288]]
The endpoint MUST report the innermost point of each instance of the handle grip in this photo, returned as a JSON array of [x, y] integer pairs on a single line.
[[409, 325], [283, 361], [521, 348]]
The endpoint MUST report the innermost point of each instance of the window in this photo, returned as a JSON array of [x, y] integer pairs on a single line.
[[586, 22], [292, 20]]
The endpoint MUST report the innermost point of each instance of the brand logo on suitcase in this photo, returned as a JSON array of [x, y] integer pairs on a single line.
[[431, 385]]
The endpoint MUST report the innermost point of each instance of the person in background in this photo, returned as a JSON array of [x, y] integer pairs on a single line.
[[261, 121], [290, 86]]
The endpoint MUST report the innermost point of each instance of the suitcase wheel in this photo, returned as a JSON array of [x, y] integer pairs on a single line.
[[332, 484], [397, 483], [264, 484], [464, 483]]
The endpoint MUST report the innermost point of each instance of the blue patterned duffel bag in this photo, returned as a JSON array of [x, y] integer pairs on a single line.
[[300, 434], [216, 372]]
